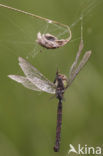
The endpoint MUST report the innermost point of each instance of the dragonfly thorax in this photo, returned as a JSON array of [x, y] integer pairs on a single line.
[[61, 83], [61, 80]]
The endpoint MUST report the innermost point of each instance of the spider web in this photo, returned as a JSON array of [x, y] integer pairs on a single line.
[[19, 34], [22, 32]]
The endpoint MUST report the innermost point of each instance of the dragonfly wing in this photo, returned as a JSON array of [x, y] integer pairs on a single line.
[[24, 81], [73, 67], [83, 62], [38, 79], [80, 66]]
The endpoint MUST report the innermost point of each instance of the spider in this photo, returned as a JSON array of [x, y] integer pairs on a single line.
[[50, 41]]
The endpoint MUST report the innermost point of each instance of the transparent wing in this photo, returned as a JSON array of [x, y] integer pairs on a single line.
[[24, 81], [36, 78], [80, 66], [73, 67]]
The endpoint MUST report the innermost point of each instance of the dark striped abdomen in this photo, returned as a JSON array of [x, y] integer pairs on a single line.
[[59, 123]]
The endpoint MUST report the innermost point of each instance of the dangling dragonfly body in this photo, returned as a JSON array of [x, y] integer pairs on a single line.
[[61, 82], [34, 80]]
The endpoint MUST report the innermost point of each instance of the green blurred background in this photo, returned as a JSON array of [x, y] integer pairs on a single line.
[[28, 118]]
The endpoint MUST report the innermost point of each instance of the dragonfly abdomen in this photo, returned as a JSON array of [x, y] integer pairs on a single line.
[[58, 129]]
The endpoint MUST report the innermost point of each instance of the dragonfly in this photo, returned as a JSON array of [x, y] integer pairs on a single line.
[[36, 81]]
